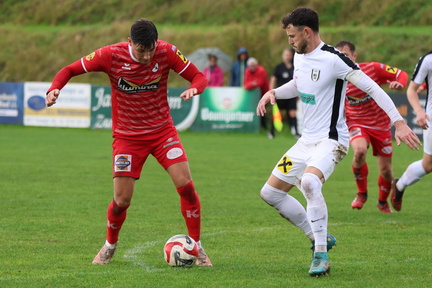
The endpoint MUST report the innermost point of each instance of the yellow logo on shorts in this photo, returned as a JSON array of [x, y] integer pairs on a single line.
[[285, 164]]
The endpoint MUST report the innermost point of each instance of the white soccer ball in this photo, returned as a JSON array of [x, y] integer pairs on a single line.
[[181, 251]]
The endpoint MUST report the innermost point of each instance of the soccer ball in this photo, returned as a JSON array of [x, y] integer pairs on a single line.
[[181, 251]]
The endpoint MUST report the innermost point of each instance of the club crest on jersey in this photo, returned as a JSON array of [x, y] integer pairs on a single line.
[[315, 75], [130, 87], [122, 163], [155, 67]]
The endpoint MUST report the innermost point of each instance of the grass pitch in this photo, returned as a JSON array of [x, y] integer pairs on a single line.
[[56, 183]]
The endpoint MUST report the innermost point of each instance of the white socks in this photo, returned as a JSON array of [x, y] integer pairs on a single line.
[[316, 209], [412, 174], [288, 207]]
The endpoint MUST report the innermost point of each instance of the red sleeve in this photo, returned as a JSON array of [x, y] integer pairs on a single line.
[[96, 61], [195, 77], [390, 73], [403, 78], [186, 69], [65, 74]]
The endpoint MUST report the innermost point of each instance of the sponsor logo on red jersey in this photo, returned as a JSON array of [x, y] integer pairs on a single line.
[[130, 87]]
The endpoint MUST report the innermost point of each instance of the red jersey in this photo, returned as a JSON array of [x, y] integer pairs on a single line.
[[361, 109], [138, 92]]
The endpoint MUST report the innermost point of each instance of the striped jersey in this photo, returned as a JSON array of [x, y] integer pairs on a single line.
[[139, 92], [361, 108], [423, 73], [320, 81]]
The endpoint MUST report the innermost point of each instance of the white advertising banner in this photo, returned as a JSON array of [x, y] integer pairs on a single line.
[[71, 110]]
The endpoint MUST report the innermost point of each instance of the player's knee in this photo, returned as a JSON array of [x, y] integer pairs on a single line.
[[360, 154], [271, 195], [311, 186], [188, 192]]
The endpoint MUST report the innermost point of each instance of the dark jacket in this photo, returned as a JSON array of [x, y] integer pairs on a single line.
[[236, 67]]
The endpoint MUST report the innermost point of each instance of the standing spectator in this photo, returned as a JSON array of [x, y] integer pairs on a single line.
[[282, 73], [238, 68], [369, 125], [213, 72], [256, 78], [142, 125], [416, 170], [320, 79]]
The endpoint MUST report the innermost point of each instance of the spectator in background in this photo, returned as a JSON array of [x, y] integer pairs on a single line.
[[256, 78], [282, 73], [213, 72], [369, 125], [238, 68]]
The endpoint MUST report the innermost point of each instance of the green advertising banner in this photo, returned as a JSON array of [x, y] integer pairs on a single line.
[[227, 109], [100, 107]]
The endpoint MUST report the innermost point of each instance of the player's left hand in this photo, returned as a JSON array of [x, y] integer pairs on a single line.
[[395, 85], [189, 93], [403, 132]]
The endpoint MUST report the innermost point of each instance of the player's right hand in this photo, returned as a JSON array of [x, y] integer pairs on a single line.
[[269, 96], [51, 97]]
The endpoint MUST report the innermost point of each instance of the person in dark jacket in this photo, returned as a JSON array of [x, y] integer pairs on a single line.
[[238, 67]]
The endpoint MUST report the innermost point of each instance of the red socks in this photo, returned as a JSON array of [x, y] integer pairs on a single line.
[[116, 215], [361, 177], [191, 209], [384, 189], [189, 204]]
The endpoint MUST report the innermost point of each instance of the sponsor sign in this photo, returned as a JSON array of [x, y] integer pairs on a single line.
[[229, 109], [71, 110], [11, 103]]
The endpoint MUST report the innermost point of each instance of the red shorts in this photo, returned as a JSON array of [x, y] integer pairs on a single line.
[[129, 155], [381, 140]]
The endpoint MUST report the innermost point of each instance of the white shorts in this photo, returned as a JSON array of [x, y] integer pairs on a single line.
[[323, 155], [427, 141]]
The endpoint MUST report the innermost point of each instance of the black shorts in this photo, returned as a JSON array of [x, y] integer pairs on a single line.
[[287, 104]]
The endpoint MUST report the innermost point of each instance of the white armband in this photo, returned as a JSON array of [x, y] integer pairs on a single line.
[[366, 84]]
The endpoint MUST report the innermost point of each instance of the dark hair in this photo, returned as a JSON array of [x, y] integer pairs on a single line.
[[144, 33], [210, 56], [302, 17], [350, 45]]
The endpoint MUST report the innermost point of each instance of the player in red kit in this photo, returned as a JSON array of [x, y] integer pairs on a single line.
[[369, 125], [141, 122]]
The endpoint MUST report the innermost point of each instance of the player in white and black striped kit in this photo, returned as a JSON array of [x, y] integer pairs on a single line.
[[320, 78], [416, 170]]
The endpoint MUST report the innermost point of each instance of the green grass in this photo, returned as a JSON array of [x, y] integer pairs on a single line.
[[56, 183]]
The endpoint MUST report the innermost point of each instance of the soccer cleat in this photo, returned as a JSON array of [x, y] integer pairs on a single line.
[[104, 256], [202, 259], [396, 196], [384, 207], [331, 241], [320, 264], [358, 202]]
